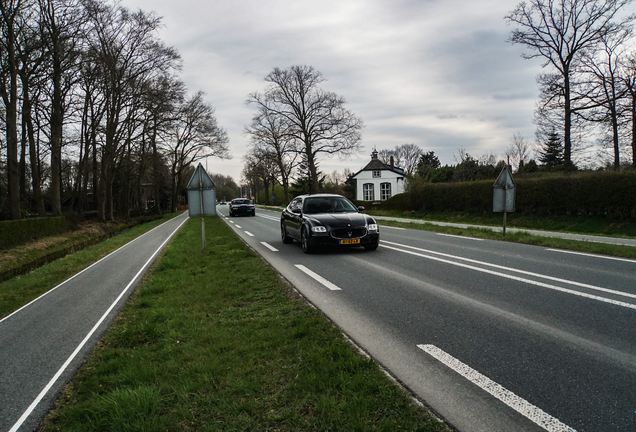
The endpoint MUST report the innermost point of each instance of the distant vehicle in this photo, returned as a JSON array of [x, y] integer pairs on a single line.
[[242, 206], [222, 202], [327, 220]]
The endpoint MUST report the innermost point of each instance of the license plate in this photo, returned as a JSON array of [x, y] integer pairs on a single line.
[[351, 241]]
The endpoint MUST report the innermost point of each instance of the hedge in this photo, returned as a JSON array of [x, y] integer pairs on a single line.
[[15, 232], [604, 194]]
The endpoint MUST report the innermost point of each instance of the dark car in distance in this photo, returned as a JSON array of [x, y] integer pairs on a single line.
[[242, 206], [327, 220]]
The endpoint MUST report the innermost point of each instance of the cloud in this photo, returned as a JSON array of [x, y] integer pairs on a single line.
[[439, 74]]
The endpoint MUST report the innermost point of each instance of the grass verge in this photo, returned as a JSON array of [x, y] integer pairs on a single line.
[[20, 290], [571, 224], [214, 340], [522, 237]]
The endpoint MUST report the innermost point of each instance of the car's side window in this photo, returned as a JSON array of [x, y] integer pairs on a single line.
[[295, 204]]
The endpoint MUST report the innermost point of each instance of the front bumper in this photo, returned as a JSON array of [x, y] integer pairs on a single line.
[[324, 239]]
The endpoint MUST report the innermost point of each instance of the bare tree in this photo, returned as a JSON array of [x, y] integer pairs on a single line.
[[125, 47], [608, 89], [518, 150], [269, 138], [60, 22], [629, 80], [194, 135], [10, 24], [560, 31], [316, 119], [405, 156]]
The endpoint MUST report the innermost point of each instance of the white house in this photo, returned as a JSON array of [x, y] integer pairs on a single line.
[[378, 181]]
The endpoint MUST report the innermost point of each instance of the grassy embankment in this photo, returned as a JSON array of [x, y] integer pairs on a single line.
[[215, 340]]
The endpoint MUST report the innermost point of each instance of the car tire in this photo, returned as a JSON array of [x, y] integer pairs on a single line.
[[254, 214], [304, 241], [283, 235], [372, 246]]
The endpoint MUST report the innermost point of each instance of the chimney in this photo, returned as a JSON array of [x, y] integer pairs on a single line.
[[392, 163]]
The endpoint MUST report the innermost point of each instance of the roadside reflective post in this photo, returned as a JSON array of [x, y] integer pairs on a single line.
[[504, 194], [201, 198]]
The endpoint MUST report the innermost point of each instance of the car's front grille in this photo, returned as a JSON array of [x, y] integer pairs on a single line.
[[346, 233]]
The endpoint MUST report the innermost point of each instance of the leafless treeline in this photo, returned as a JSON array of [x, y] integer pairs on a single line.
[[590, 89], [94, 114]]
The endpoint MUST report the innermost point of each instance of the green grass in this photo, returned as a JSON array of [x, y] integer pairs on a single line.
[[214, 340], [19, 290], [522, 237], [579, 225]]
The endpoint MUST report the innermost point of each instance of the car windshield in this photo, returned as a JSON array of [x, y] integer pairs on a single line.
[[328, 205], [241, 201]]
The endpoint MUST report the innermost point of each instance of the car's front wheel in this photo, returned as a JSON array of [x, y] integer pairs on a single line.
[[304, 241], [283, 234], [371, 246]]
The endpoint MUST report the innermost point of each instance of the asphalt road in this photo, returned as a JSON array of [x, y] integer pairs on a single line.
[[493, 336], [43, 344]]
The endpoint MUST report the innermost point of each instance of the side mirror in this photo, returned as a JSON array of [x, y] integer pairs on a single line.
[[296, 211], [360, 208]]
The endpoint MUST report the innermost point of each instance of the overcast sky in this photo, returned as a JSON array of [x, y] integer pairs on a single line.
[[438, 74]]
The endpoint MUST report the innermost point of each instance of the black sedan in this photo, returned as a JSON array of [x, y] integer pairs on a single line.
[[327, 220], [242, 206]]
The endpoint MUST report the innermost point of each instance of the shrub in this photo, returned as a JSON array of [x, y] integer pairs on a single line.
[[15, 232]]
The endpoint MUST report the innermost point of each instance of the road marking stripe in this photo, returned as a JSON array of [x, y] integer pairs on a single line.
[[46, 389], [270, 247], [555, 279], [529, 281], [238, 226], [392, 227], [525, 408], [249, 233], [593, 255], [461, 237], [268, 217], [317, 277]]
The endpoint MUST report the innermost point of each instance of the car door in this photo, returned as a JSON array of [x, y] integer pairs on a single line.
[[293, 218]]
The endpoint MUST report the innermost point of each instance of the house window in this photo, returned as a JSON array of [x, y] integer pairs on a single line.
[[385, 191], [367, 190], [377, 173]]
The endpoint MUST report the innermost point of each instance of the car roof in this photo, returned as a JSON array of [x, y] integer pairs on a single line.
[[321, 195]]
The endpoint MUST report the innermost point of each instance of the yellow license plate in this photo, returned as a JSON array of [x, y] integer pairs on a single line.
[[352, 241]]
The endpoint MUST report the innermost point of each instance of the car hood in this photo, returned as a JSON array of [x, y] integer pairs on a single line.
[[339, 219]]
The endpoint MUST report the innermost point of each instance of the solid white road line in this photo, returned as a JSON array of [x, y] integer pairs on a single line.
[[317, 277], [528, 281], [461, 237], [551, 278], [249, 233], [593, 255], [535, 414], [46, 389], [392, 227], [270, 247]]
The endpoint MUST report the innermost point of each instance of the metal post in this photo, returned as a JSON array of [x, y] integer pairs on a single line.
[[202, 213], [505, 204]]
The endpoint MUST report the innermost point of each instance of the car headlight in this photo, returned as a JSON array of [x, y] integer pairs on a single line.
[[319, 229], [373, 227]]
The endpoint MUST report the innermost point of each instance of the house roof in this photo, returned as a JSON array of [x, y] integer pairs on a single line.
[[376, 164]]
